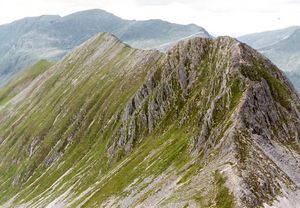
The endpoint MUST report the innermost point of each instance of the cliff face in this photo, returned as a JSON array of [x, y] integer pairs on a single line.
[[211, 123]]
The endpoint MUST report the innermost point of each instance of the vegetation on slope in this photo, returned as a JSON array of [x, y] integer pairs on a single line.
[[224, 199], [22, 80], [112, 125]]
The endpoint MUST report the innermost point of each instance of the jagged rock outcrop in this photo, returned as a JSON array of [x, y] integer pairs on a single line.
[[211, 123]]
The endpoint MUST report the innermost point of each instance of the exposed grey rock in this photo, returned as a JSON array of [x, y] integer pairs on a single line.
[[206, 120]]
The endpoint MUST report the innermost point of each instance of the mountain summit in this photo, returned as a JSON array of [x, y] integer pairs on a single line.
[[210, 123]]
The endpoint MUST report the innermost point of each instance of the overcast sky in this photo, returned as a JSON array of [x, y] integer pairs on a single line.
[[219, 17]]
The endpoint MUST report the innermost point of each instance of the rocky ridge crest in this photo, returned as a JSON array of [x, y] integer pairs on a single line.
[[153, 129]]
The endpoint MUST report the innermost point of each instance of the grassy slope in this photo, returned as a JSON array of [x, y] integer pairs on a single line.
[[55, 141], [62, 131], [78, 122], [20, 81], [56, 118]]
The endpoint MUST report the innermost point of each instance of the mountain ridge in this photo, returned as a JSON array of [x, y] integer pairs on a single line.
[[209, 123]]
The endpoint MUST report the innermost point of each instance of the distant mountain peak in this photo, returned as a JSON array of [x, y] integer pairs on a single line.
[[51, 37], [92, 12]]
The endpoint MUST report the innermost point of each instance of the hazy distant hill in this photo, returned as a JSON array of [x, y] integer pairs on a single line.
[[295, 78], [50, 37], [285, 53], [264, 39], [282, 47]]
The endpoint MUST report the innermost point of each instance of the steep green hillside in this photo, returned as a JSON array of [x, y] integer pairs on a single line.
[[113, 126], [22, 80]]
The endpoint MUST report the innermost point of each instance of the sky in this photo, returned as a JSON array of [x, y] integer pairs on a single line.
[[218, 17]]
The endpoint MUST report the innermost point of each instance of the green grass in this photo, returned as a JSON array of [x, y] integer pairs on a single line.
[[224, 199], [191, 171], [22, 79], [171, 152]]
